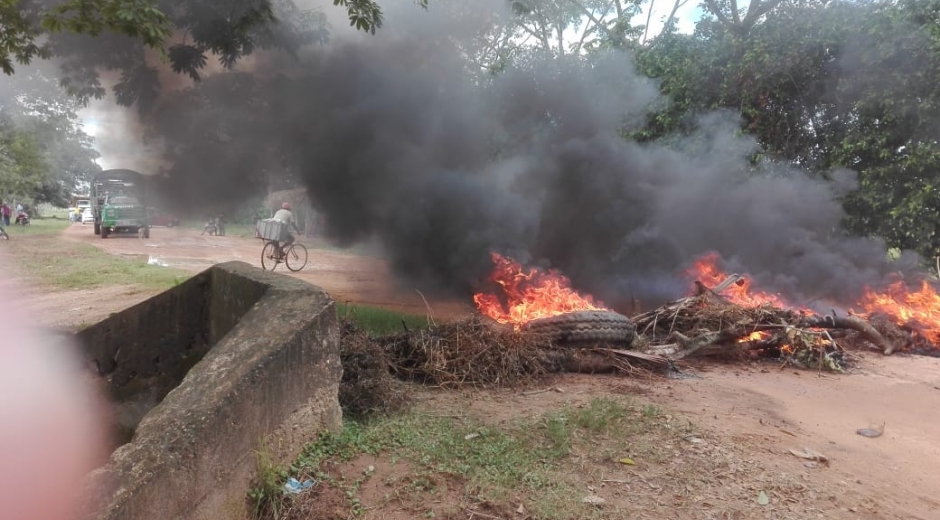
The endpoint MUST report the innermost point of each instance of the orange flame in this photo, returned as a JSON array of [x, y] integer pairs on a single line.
[[527, 294], [706, 270], [918, 310], [755, 336], [530, 294]]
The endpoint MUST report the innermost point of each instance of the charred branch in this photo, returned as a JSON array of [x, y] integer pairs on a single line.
[[708, 324], [852, 323]]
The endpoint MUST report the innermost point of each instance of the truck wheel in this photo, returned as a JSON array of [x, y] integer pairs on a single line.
[[105, 231], [585, 327], [97, 228]]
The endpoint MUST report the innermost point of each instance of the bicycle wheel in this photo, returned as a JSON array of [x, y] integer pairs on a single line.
[[296, 257], [269, 258]]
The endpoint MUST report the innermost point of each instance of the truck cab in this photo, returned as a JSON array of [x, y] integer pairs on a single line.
[[118, 202]]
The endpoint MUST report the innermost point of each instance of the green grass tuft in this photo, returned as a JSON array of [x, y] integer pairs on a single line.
[[379, 321], [45, 226], [531, 457], [267, 496], [68, 265], [84, 266], [600, 415], [557, 433]]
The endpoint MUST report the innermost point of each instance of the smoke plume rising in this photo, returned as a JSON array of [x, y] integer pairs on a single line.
[[396, 137]]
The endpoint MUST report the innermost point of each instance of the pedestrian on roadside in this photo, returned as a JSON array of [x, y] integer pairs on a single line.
[[5, 212]]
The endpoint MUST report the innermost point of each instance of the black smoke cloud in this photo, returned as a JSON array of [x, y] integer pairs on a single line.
[[394, 138]]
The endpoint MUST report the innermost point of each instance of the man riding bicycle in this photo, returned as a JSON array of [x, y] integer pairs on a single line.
[[284, 215]]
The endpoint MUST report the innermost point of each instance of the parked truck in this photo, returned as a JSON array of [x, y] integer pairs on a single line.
[[119, 203]]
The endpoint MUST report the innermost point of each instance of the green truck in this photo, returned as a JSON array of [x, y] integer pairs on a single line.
[[119, 203]]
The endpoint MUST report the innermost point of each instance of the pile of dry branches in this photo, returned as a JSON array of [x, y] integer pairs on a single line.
[[367, 385], [706, 324], [469, 352], [476, 351]]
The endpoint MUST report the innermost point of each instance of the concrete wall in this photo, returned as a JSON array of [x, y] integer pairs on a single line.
[[272, 377], [145, 351], [232, 296]]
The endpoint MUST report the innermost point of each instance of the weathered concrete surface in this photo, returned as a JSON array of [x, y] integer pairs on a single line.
[[146, 350], [271, 378]]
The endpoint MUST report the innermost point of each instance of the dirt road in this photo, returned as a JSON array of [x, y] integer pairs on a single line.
[[348, 277], [747, 418], [762, 409], [774, 410]]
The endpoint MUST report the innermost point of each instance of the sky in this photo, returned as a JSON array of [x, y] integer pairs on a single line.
[[120, 146], [686, 16]]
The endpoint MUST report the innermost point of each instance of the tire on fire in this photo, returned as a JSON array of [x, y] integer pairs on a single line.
[[585, 327]]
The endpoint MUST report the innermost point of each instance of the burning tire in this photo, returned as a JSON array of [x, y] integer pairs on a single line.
[[585, 327]]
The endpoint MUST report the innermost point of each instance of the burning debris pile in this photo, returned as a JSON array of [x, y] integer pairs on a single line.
[[529, 294], [534, 323], [729, 319], [909, 319], [724, 317], [727, 316], [708, 324]]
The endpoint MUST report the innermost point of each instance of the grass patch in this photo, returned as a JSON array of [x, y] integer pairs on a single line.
[[377, 321], [265, 495], [535, 458], [68, 265], [599, 416], [56, 214], [45, 226]]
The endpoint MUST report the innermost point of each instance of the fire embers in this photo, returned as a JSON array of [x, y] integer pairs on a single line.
[[522, 295]]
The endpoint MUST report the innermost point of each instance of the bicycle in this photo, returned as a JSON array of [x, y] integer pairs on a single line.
[[294, 256]]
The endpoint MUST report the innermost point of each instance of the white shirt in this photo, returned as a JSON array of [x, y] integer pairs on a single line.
[[285, 216]]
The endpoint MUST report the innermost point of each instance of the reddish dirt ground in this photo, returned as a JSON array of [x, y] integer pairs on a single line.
[[347, 276], [746, 419], [70, 310], [775, 410], [762, 410]]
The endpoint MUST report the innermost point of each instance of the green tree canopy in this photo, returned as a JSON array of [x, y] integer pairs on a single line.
[[44, 154], [823, 85], [129, 37]]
